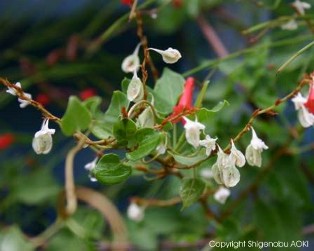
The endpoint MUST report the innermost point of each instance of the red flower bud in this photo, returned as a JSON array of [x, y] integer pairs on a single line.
[[310, 100], [126, 2], [87, 93], [43, 98], [6, 140]]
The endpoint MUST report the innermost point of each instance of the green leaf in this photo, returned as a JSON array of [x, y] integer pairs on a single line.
[[190, 191], [124, 85], [189, 160], [123, 130], [206, 116], [167, 91], [103, 126], [76, 117], [110, 170], [148, 139], [92, 104]]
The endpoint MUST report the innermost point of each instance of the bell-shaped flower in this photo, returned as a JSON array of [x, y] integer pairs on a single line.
[[135, 91], [132, 62], [305, 108], [236, 156], [301, 6], [169, 56], [24, 102], [222, 194], [290, 25], [42, 141], [253, 152], [224, 170], [135, 212], [193, 131], [12, 90], [90, 166], [209, 143]]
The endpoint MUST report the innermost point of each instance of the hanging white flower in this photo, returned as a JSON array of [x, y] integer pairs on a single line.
[[132, 62], [193, 131], [253, 152], [146, 119], [23, 102], [290, 25], [224, 170], [42, 141], [209, 143], [169, 56], [236, 156], [135, 91], [305, 117], [90, 166], [222, 194], [135, 212], [12, 91], [301, 6]]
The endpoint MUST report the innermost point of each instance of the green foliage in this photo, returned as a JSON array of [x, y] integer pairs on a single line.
[[12, 239], [76, 117], [190, 191], [167, 91], [110, 170], [148, 140]]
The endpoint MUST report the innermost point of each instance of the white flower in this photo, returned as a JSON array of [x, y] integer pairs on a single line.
[[253, 152], [301, 6], [222, 194], [90, 166], [290, 25], [132, 62], [12, 91], [169, 56], [224, 170], [161, 148], [206, 173], [135, 212], [209, 143], [135, 90], [23, 102], [305, 117], [42, 141], [236, 156], [193, 131]]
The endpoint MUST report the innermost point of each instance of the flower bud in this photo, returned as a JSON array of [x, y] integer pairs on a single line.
[[132, 62], [135, 212], [222, 194], [169, 56], [135, 90], [42, 141]]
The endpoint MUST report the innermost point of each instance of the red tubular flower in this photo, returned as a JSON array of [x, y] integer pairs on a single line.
[[6, 140], [186, 100], [310, 100]]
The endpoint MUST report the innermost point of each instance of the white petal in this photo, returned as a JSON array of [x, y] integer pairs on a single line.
[[236, 156], [305, 117], [193, 131], [222, 194], [209, 143], [42, 144], [256, 142], [146, 118], [230, 176], [253, 156], [135, 212], [290, 25], [217, 174], [298, 101], [91, 165]]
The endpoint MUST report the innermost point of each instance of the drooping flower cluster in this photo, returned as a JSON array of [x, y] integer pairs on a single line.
[[305, 107]]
